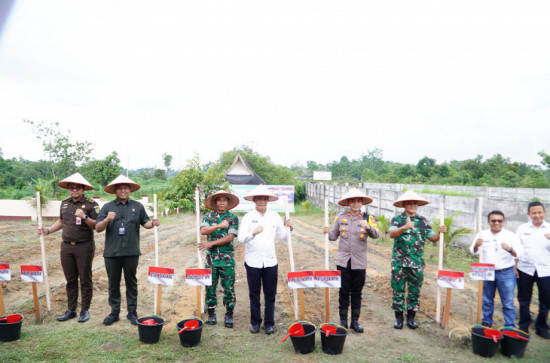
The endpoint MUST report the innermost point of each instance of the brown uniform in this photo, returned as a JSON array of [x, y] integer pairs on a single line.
[[77, 250]]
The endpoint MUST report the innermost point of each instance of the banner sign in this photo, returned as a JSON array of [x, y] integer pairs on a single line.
[[281, 191], [31, 273], [450, 279], [482, 271], [300, 280], [5, 274], [327, 279], [161, 276], [322, 175], [198, 277]]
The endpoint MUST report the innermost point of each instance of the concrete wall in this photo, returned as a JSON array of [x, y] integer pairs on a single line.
[[515, 211]]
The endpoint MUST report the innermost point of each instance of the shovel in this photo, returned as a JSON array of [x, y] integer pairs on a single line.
[[296, 330], [191, 324]]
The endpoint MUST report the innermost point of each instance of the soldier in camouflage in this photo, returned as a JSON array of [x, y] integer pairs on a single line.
[[221, 227], [410, 231]]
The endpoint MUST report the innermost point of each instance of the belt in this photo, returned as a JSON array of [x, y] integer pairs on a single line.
[[72, 243], [504, 269]]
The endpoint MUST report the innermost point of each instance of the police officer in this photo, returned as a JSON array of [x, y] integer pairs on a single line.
[[410, 231], [77, 219], [221, 227]]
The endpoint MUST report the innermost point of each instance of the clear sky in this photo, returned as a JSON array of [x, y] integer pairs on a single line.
[[295, 80]]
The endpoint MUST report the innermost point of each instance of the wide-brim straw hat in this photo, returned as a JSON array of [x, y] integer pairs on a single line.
[[410, 195], [76, 178], [210, 202], [261, 191], [354, 193], [121, 179]]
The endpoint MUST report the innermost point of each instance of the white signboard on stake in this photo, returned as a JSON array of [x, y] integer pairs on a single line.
[[328, 279], [450, 279], [482, 271], [300, 280], [5, 274], [161, 276], [198, 277], [31, 273]]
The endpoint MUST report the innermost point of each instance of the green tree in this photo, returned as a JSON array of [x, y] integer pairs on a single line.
[[167, 161], [545, 159], [102, 172], [454, 233], [64, 154], [425, 166]]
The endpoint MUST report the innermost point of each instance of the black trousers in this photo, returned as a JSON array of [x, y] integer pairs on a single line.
[[76, 261], [115, 266], [266, 276], [525, 291], [351, 288]]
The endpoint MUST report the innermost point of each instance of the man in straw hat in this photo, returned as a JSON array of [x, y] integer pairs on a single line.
[[221, 227], [409, 231], [351, 260], [77, 219], [121, 219], [257, 231]]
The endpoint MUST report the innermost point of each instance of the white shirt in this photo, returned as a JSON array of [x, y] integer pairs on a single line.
[[260, 249], [493, 251], [536, 247]]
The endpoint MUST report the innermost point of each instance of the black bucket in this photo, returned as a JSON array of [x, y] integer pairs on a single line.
[[190, 338], [334, 343], [306, 343], [482, 345], [512, 346], [150, 334], [10, 331]]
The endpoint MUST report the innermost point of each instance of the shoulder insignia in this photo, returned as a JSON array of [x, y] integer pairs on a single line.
[[96, 208]]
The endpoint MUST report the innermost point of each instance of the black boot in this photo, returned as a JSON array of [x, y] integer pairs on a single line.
[[344, 318], [398, 324], [410, 319], [229, 318], [211, 316], [355, 321]]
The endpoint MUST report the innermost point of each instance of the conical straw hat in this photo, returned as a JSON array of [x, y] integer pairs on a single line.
[[76, 178], [410, 195], [354, 193], [210, 202], [261, 191], [121, 179]]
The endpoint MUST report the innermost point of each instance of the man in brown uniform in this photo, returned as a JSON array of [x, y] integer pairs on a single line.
[[77, 219], [353, 228]]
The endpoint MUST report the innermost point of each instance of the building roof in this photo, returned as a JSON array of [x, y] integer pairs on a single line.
[[240, 172]]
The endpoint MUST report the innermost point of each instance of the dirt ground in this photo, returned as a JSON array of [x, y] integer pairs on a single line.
[[19, 245]]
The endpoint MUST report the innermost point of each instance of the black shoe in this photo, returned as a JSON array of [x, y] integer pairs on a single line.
[[543, 334], [132, 316], [410, 319], [343, 317], [269, 329], [211, 317], [355, 313], [398, 324], [84, 316], [344, 323], [110, 319], [487, 325], [255, 329], [228, 322], [69, 314]]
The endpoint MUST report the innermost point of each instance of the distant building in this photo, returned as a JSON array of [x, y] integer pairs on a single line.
[[240, 172]]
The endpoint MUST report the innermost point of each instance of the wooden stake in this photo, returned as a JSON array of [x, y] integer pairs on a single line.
[[200, 305], [440, 261], [155, 230], [480, 282], [159, 298], [327, 290], [2, 311], [291, 254], [36, 306], [447, 308], [301, 297], [43, 249]]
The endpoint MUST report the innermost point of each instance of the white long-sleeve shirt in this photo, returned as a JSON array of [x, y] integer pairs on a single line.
[[260, 249], [493, 251], [536, 249]]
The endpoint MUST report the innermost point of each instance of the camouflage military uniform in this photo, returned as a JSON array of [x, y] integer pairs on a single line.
[[407, 262], [221, 259]]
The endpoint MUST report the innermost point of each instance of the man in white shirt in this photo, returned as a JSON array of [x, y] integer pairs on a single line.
[[257, 231], [500, 247], [534, 266]]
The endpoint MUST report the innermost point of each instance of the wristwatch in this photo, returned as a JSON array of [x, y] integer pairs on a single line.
[[85, 217]]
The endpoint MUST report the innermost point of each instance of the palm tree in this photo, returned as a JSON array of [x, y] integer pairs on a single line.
[[453, 233]]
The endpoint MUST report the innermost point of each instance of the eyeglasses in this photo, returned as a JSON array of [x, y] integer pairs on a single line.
[[496, 221], [75, 187]]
